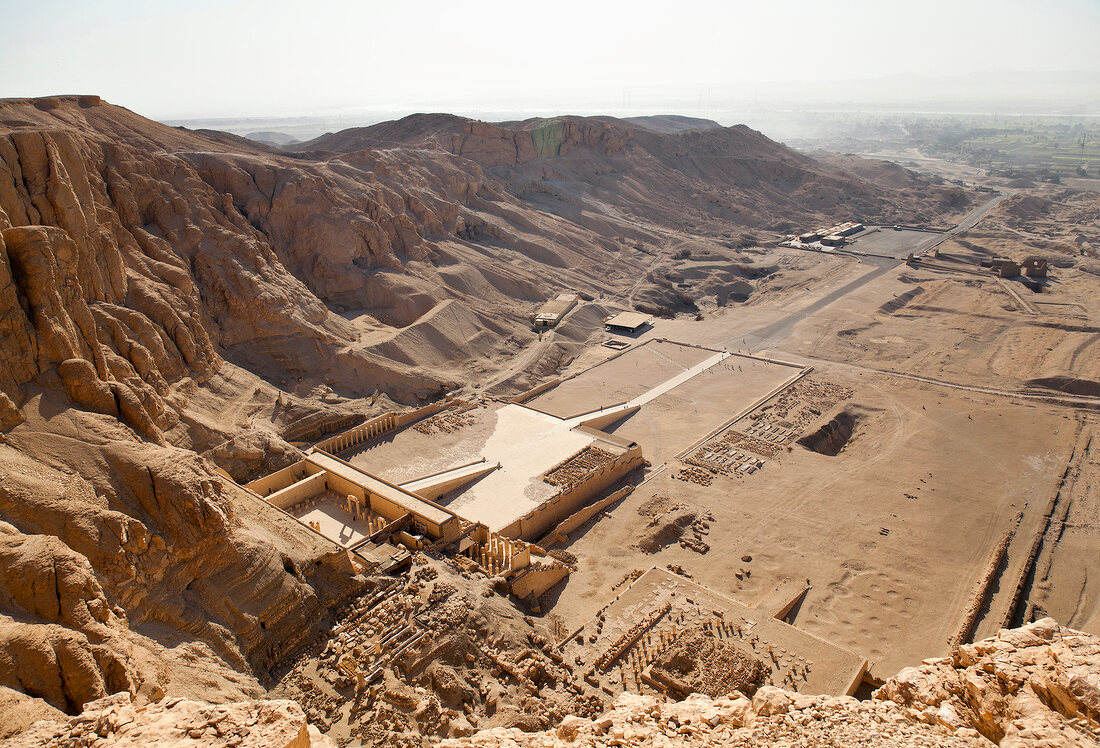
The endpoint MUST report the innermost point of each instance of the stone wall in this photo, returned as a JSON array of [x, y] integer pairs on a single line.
[[538, 522]]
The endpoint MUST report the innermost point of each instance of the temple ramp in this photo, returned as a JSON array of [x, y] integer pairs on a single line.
[[433, 486]]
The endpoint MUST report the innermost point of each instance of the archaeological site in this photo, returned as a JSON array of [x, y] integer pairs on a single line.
[[545, 430]]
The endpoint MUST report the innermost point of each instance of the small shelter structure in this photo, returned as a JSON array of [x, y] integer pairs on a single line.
[[627, 322]]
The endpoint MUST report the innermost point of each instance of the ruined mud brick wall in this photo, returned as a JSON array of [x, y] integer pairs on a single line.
[[704, 664], [624, 642], [694, 475], [449, 420], [578, 518], [713, 458], [576, 469], [753, 444], [538, 578], [984, 586], [804, 402]]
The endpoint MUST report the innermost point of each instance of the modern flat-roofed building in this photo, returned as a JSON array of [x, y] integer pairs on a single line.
[[627, 322], [552, 311]]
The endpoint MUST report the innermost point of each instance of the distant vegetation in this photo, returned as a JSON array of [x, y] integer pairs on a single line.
[[1045, 148], [1035, 147]]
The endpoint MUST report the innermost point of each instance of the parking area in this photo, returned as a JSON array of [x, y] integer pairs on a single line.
[[885, 240]]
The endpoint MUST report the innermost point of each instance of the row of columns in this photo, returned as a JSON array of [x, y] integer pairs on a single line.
[[494, 555], [363, 432], [360, 510]]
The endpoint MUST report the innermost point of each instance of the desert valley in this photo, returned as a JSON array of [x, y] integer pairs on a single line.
[[580, 429]]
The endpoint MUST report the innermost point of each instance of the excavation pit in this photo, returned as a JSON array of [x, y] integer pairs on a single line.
[[831, 438]]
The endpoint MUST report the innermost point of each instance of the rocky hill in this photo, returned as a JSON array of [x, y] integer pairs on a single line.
[[703, 178], [317, 266], [668, 123], [117, 721]]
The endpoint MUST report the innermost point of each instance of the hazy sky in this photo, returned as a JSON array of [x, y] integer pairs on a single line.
[[200, 58]]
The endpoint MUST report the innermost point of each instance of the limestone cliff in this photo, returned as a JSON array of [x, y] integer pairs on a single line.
[[166, 251], [710, 177], [125, 282], [116, 553]]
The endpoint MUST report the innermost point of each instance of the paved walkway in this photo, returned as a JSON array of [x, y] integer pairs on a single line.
[[655, 392]]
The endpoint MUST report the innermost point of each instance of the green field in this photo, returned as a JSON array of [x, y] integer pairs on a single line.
[[1046, 148]]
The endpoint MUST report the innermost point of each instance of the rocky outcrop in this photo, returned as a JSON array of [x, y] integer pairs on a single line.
[[771, 717], [494, 146], [1034, 686], [10, 415], [62, 667], [145, 539], [117, 721], [21, 711], [77, 294], [78, 658]]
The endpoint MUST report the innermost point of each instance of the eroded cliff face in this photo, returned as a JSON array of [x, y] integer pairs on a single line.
[[134, 261], [111, 311], [707, 180], [126, 561], [124, 565], [145, 262], [189, 247]]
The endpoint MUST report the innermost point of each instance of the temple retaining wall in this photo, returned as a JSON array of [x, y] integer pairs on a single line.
[[538, 521], [578, 518], [378, 426], [300, 491]]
